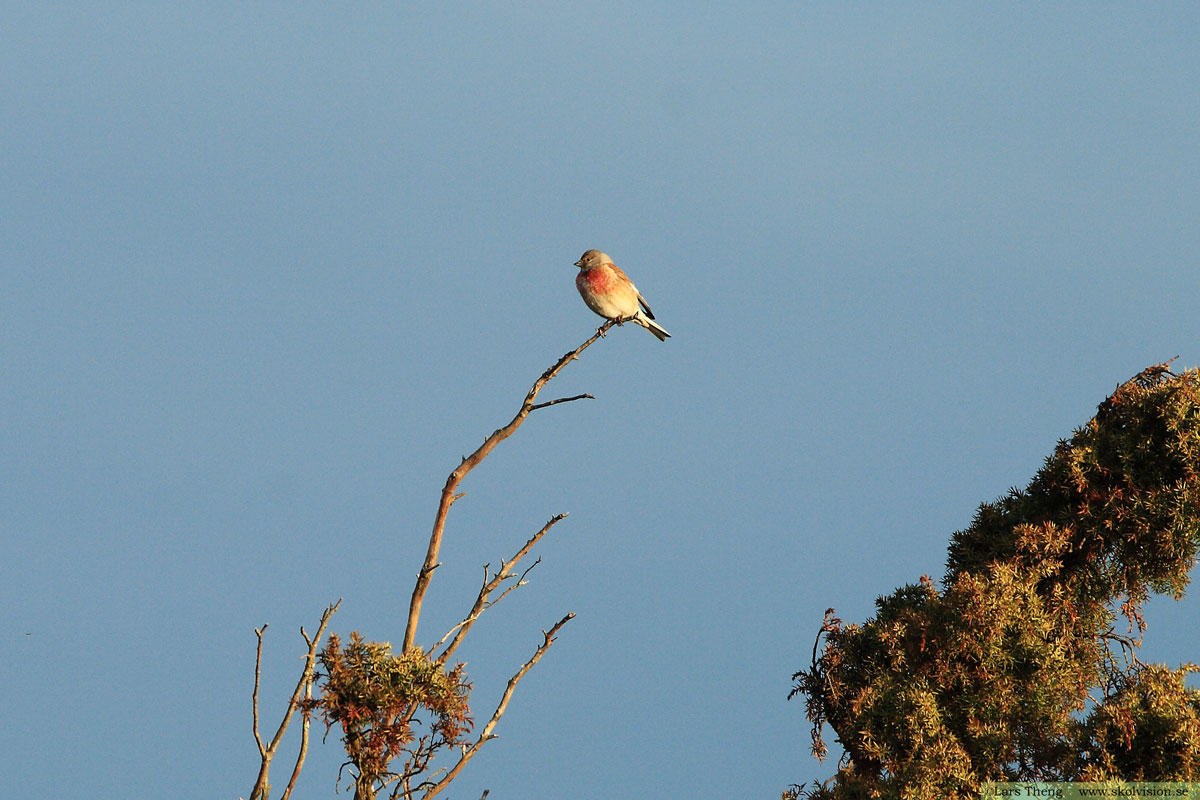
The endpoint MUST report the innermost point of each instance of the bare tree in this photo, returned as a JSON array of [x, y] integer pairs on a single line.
[[398, 713]]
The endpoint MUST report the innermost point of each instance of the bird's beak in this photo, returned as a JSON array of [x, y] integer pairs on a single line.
[[579, 263]]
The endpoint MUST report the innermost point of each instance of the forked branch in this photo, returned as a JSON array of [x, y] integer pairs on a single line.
[[483, 601], [469, 463], [262, 786]]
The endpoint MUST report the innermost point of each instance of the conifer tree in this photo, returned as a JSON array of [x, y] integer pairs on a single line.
[[1023, 663]]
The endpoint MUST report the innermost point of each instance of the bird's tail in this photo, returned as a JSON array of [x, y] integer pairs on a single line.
[[653, 327]]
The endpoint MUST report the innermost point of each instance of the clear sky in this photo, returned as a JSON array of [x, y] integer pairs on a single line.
[[267, 270]]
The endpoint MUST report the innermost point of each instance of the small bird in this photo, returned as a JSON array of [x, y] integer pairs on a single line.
[[609, 292]]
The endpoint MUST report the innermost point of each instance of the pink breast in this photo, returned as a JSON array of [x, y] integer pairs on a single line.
[[595, 280]]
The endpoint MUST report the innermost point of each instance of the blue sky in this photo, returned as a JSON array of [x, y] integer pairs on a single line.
[[268, 270]]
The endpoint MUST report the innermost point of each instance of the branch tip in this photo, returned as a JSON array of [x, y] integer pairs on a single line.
[[468, 463]]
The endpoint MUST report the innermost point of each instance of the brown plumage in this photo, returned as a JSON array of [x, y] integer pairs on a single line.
[[608, 291]]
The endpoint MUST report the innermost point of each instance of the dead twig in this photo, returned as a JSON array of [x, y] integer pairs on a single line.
[[482, 602], [262, 748], [486, 734], [584, 396], [262, 786]]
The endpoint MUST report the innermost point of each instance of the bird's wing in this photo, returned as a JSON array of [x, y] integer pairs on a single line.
[[641, 300], [646, 308]]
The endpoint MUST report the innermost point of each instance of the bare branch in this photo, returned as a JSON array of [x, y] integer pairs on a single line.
[[303, 733], [310, 673], [469, 463], [481, 601], [516, 585], [310, 660], [262, 749], [304, 686], [584, 396], [486, 734]]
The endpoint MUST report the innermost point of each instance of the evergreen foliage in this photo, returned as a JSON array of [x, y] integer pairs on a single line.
[[379, 699], [1016, 668]]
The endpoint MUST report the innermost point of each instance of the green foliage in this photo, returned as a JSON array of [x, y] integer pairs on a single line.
[[378, 698], [1014, 670]]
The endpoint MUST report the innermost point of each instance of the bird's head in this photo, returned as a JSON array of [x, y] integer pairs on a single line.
[[593, 258]]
